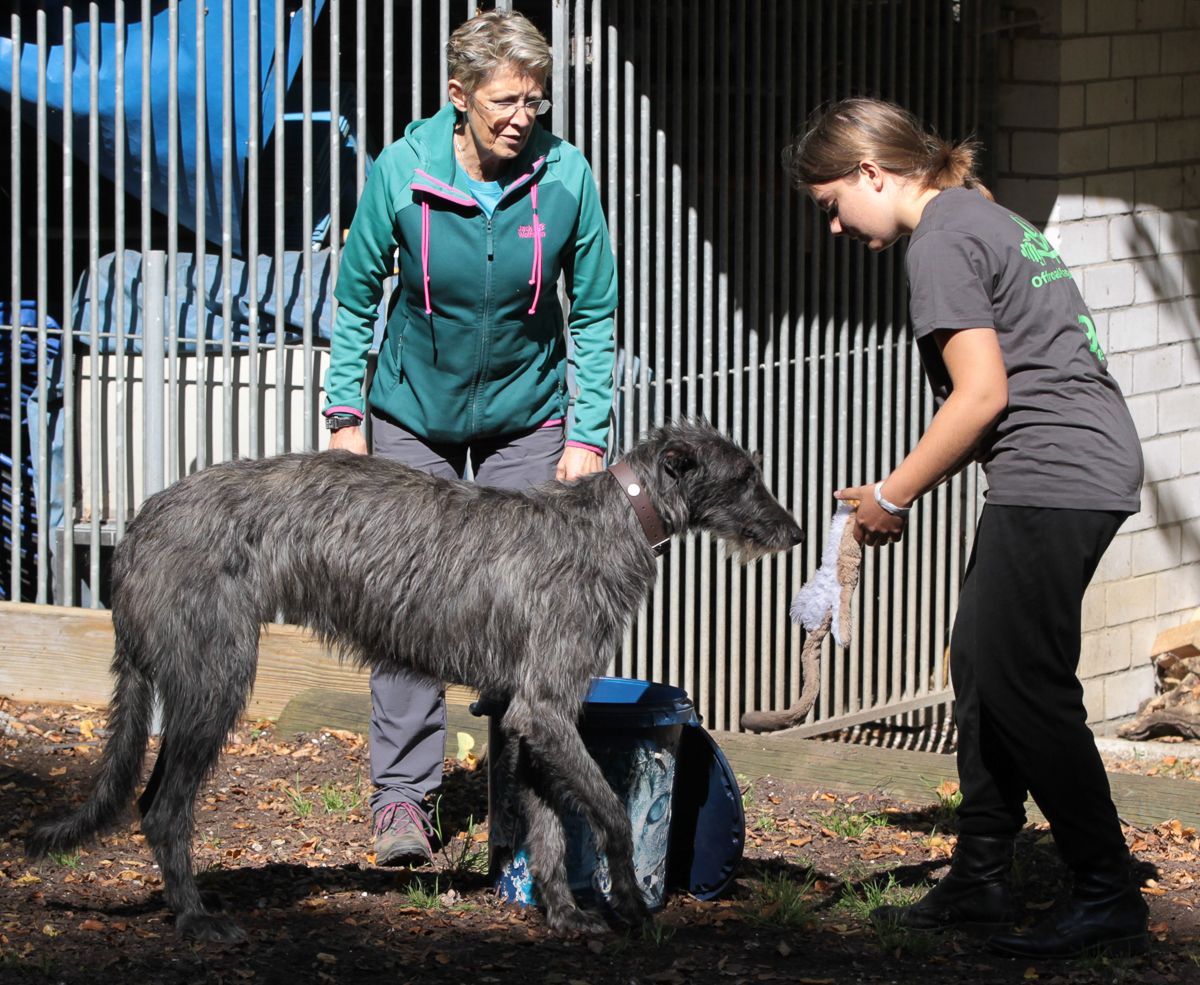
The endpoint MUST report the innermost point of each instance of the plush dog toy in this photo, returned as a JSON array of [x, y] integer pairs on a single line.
[[821, 605]]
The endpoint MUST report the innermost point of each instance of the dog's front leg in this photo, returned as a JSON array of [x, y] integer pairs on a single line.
[[570, 776], [546, 839]]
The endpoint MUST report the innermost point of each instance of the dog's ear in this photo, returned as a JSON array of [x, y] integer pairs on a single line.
[[678, 457]]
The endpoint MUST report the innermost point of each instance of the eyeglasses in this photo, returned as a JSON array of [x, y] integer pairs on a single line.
[[507, 108]]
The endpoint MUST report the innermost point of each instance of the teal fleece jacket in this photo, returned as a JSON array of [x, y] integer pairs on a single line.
[[474, 343]]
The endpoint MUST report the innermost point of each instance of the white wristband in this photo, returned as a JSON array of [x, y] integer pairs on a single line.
[[892, 508]]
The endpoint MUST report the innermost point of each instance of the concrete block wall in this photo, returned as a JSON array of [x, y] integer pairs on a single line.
[[1099, 143]]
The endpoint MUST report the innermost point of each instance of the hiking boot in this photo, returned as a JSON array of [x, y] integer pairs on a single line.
[[974, 893], [1105, 915], [402, 835]]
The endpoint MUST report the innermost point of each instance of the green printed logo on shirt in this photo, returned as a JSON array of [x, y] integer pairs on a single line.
[[1036, 248], [1089, 328]]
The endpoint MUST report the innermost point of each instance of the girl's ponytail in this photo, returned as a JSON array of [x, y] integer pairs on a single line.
[[841, 135]]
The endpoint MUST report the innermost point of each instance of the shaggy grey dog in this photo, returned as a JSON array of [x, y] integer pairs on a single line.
[[523, 595]]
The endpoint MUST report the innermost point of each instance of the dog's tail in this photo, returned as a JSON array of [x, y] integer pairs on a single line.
[[120, 765]]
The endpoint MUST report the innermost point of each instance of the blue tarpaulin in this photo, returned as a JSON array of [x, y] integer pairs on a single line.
[[156, 134]]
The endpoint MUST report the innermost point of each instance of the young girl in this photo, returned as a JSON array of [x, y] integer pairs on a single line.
[[1021, 385]]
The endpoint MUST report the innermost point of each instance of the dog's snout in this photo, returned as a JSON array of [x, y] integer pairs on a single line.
[[797, 536]]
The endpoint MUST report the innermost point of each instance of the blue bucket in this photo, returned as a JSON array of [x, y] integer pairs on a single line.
[[632, 729]]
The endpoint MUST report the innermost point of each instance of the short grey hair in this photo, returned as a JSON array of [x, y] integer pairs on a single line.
[[478, 47]]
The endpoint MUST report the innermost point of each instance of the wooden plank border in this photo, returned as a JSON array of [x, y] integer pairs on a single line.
[[58, 654]]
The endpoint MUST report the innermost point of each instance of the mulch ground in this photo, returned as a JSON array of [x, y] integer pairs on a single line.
[[283, 837]]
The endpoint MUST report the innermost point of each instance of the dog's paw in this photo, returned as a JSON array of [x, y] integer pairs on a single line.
[[208, 927], [571, 920], [631, 909]]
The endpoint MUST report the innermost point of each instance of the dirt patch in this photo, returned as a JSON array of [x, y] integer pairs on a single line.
[[283, 836]]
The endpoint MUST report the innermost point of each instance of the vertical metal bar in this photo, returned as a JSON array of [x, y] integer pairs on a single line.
[[634, 256], [119, 358], [360, 81], [42, 492], [779, 410], [67, 581], [153, 473], [227, 156], [640, 39], [415, 67], [389, 64], [741, 664], [662, 383], [418, 66], [97, 430], [306, 211], [673, 56], [67, 341], [253, 148], [176, 368], [819, 248], [278, 250], [578, 42], [443, 37], [200, 255], [560, 39], [757, 655], [707, 276], [596, 158], [727, 683], [335, 138], [692, 633], [859, 412], [16, 506]]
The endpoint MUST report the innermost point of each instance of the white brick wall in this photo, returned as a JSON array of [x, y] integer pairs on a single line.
[[1099, 127]]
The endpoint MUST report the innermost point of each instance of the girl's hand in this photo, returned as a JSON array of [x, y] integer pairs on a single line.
[[873, 525]]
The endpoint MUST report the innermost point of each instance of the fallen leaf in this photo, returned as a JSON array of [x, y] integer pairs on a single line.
[[58, 771], [1030, 974], [91, 925], [800, 842]]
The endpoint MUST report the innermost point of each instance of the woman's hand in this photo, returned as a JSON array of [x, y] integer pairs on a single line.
[[576, 463], [349, 439], [873, 525]]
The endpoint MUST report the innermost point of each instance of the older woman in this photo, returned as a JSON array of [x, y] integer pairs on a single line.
[[479, 210]]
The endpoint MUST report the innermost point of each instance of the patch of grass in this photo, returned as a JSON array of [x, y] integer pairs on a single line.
[[783, 901], [865, 897], [766, 823], [949, 799], [746, 785], [417, 894], [1111, 970], [341, 800], [301, 805], [657, 933], [465, 852], [210, 840], [1175, 768], [68, 860], [25, 961], [853, 824]]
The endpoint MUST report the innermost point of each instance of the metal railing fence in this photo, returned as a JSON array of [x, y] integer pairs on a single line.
[[173, 246]]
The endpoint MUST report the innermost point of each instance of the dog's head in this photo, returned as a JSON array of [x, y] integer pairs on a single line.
[[706, 482]]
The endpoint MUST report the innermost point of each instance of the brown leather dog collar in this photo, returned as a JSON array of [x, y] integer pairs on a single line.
[[647, 515]]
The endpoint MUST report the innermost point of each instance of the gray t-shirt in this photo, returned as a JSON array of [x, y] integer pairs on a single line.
[[1066, 439]]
